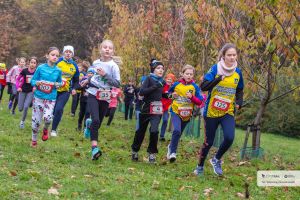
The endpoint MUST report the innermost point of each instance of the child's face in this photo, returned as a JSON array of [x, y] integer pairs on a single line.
[[22, 63], [68, 54], [32, 64], [53, 56], [79, 68], [169, 81], [188, 75], [230, 57], [159, 71], [107, 50], [90, 74]]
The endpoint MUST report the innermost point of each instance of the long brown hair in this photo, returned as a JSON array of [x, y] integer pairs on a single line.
[[224, 49]]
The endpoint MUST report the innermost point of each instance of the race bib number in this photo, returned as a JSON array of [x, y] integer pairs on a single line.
[[221, 103], [64, 82], [103, 95], [28, 78], [46, 87], [156, 108], [1, 76], [185, 111]]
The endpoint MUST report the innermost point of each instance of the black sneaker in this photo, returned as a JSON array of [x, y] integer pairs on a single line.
[[162, 139], [152, 158], [134, 156]]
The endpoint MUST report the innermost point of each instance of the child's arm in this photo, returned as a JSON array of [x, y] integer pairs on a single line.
[[145, 89], [20, 81], [36, 77], [210, 80], [197, 98]]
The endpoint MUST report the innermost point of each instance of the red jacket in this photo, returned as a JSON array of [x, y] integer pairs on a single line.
[[165, 101], [3, 77]]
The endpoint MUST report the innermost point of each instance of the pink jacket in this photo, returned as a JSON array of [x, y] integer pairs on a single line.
[[115, 94], [13, 73]]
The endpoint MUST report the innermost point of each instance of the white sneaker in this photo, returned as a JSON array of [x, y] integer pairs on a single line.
[[172, 157], [53, 133], [169, 152], [22, 125]]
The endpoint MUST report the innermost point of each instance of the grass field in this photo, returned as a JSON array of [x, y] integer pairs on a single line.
[[61, 168]]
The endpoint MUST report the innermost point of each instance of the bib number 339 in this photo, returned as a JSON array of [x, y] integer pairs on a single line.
[[103, 95], [221, 103]]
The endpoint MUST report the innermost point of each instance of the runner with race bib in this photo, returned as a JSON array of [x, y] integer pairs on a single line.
[[224, 83], [186, 94]]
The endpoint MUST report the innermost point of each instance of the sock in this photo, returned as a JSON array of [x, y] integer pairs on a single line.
[[46, 126], [93, 147], [34, 137]]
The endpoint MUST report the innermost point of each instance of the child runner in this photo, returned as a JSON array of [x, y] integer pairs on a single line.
[[108, 76], [46, 79], [115, 97], [11, 77], [138, 102], [186, 95], [25, 89], [129, 90], [224, 83], [166, 101], [76, 97], [3, 72], [70, 74], [151, 111]]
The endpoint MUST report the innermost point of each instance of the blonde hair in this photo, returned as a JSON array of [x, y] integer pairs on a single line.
[[186, 67], [22, 58]]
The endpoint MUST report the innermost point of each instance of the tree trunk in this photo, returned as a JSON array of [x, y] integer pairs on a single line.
[[257, 123]]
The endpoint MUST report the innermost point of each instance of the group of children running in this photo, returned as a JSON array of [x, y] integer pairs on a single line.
[[48, 88]]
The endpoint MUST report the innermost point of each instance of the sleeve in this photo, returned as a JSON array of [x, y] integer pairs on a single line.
[[59, 78], [36, 77], [172, 88], [20, 79], [9, 74], [197, 98], [75, 79], [209, 80], [114, 79], [239, 95], [146, 88]]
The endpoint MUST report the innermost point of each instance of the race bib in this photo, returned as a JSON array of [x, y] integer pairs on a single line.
[[221, 103], [156, 108], [64, 82], [1, 76], [28, 78], [103, 95], [185, 112], [46, 87], [114, 94]]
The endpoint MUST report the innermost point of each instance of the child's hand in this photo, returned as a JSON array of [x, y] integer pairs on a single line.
[[174, 95], [101, 72], [38, 83], [84, 83], [189, 95], [19, 89]]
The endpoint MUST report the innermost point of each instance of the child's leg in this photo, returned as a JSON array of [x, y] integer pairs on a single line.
[[164, 125], [61, 100], [95, 125], [140, 133], [137, 116], [48, 112], [37, 113], [22, 96], [27, 102], [154, 122], [177, 123], [131, 109], [82, 109], [1, 91], [111, 115], [126, 110], [15, 103]]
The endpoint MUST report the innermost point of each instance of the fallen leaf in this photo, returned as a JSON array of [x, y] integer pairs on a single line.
[[77, 154], [53, 191], [181, 188], [242, 163], [88, 176], [73, 176], [155, 184], [207, 191], [131, 169], [241, 195], [56, 185], [13, 173]]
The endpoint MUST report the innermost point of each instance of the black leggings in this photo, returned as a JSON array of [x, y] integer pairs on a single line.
[[110, 113], [98, 110], [83, 113], [1, 91], [75, 102], [15, 102], [128, 110]]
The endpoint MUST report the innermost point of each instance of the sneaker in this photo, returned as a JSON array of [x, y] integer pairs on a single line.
[[87, 133], [33, 144], [216, 165], [199, 170], [173, 157], [88, 122], [13, 112], [10, 103], [45, 134], [72, 114], [152, 158], [96, 153], [79, 128], [53, 133], [134, 156], [162, 139], [22, 125], [168, 153]]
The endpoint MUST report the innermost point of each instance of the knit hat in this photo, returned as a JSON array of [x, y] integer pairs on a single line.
[[3, 66], [70, 48], [171, 76], [91, 70], [154, 63]]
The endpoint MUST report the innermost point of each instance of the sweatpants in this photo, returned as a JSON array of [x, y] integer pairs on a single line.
[[1, 91], [42, 109], [128, 110], [165, 120], [110, 114], [98, 110], [75, 102], [210, 126], [140, 133], [24, 102], [83, 113], [61, 100], [178, 128]]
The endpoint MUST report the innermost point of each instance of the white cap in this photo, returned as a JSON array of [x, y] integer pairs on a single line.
[[70, 48]]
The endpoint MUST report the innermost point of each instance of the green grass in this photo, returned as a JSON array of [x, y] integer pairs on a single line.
[[64, 164]]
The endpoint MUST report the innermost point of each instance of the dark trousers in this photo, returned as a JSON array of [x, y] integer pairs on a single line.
[[110, 114], [61, 100], [98, 110], [16, 98], [211, 124], [1, 91], [140, 133], [75, 102], [83, 114], [128, 110]]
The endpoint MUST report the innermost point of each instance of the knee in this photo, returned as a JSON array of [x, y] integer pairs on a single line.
[[95, 122], [229, 140]]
